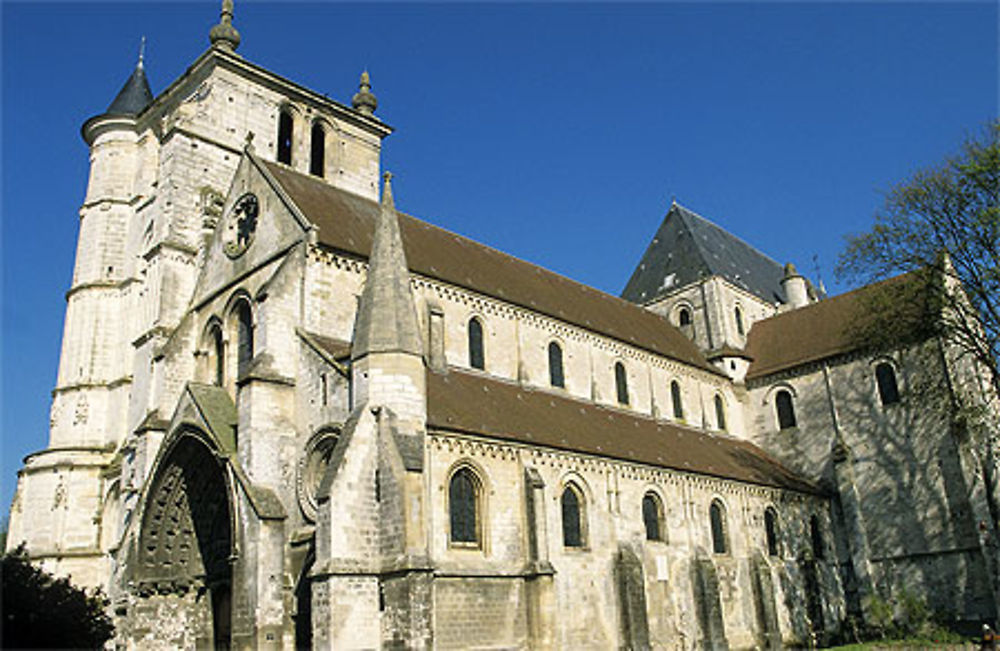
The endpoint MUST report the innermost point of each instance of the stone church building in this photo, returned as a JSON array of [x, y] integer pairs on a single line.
[[287, 414]]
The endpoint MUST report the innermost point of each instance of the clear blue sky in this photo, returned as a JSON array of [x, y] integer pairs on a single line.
[[556, 132]]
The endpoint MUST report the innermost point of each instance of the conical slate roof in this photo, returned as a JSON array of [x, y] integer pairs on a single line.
[[134, 96], [687, 247]]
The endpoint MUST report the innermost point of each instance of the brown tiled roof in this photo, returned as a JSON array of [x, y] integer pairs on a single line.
[[818, 331], [477, 404], [346, 223]]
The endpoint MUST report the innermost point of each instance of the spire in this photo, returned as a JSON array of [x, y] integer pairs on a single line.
[[364, 100], [135, 95], [387, 315], [224, 36]]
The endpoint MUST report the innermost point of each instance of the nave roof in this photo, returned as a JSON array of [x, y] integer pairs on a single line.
[[346, 223]]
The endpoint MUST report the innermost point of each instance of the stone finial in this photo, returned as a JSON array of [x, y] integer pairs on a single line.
[[364, 100], [224, 36], [387, 199], [790, 270], [248, 142]]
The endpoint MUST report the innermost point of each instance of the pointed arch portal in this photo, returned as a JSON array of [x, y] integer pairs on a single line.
[[186, 539]]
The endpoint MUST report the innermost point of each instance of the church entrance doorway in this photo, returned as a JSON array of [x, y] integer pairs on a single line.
[[186, 542]]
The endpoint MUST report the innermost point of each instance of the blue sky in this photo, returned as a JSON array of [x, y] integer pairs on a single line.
[[556, 132]]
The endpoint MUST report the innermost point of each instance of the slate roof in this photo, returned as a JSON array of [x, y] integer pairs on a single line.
[[134, 96], [687, 247], [346, 223], [823, 329], [474, 403]]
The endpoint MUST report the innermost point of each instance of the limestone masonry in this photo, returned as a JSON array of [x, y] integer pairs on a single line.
[[289, 415]]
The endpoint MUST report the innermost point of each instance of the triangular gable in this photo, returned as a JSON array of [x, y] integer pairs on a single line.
[[278, 225]]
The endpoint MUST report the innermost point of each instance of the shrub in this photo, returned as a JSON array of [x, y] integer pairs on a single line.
[[42, 611]]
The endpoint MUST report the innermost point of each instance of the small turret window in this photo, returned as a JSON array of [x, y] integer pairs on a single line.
[[785, 408], [285, 138], [684, 317], [621, 383], [888, 390], [556, 378], [477, 357], [317, 150]]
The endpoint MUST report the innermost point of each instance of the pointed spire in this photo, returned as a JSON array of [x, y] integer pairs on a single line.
[[135, 95], [364, 100], [224, 36], [387, 313]]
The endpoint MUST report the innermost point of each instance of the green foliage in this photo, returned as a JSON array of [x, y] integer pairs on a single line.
[[910, 623], [43, 612], [942, 227]]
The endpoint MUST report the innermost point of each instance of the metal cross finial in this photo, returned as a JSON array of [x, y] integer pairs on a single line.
[[142, 50], [387, 176]]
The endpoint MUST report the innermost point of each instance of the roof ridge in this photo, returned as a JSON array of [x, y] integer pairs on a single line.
[[839, 297]]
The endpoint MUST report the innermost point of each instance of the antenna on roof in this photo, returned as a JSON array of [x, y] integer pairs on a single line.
[[819, 276]]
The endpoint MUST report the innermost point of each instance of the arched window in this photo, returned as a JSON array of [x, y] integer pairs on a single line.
[[817, 538], [621, 383], [676, 400], [244, 338], [652, 516], [477, 359], [717, 516], [720, 413], [463, 507], [739, 320], [317, 150], [218, 355], [684, 317], [556, 378], [786, 410], [572, 517], [285, 137], [885, 377], [771, 531]]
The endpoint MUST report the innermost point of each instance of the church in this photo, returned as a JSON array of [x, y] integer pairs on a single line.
[[290, 415]]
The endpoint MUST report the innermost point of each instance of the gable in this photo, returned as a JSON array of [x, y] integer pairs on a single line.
[[233, 253]]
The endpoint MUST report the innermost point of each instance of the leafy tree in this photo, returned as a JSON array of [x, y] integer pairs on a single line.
[[942, 229], [41, 611]]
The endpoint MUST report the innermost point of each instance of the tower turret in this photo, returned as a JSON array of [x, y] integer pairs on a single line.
[[795, 287]]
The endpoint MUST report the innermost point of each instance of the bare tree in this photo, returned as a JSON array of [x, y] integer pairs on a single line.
[[942, 229]]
